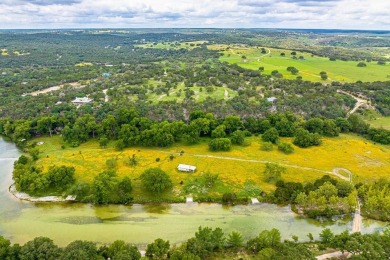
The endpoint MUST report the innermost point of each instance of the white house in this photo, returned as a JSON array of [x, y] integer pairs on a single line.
[[186, 168], [271, 99], [82, 101]]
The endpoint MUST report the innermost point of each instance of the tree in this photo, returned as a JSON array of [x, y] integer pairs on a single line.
[[158, 249], [104, 186], [229, 198], [293, 70], [40, 248], [271, 135], [103, 141], [326, 236], [310, 236], [330, 128], [234, 240], [124, 190], [119, 250], [45, 124], [315, 125], [305, 139], [81, 250], [219, 132], [324, 75], [155, 180], [273, 172], [34, 152], [238, 137], [60, 177], [232, 123], [5, 248], [206, 241], [220, 144]]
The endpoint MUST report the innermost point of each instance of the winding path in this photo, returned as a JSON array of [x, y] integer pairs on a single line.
[[359, 102]]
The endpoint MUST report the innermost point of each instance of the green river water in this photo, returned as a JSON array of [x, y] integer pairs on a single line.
[[140, 224]]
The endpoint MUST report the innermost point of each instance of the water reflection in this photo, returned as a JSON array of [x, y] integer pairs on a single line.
[[161, 208]]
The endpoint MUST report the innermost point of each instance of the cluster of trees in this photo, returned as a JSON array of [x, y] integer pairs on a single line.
[[375, 199], [127, 128], [208, 243], [31, 179], [360, 246], [324, 197]]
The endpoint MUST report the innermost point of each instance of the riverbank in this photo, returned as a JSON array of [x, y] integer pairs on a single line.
[[26, 197]]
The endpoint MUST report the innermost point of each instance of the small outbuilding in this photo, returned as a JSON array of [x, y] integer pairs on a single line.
[[271, 99], [186, 168], [82, 101]]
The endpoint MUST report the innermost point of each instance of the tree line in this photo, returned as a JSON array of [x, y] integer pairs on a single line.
[[209, 243]]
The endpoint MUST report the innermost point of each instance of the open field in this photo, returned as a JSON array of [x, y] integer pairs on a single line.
[[380, 122], [309, 67], [366, 160]]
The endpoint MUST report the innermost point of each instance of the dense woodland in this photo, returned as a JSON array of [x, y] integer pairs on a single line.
[[209, 243]]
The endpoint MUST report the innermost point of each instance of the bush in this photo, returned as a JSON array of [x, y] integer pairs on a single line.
[[155, 180], [305, 139], [220, 144], [229, 198], [266, 146], [285, 148], [271, 135], [238, 137]]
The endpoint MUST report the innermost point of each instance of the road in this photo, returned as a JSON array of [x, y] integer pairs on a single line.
[[357, 220], [359, 102]]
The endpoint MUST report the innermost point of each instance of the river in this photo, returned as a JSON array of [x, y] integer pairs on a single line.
[[140, 224]]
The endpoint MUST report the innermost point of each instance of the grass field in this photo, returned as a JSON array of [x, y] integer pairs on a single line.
[[309, 67], [380, 122], [366, 160]]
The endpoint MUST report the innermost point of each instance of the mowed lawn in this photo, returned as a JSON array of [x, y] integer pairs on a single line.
[[309, 67], [366, 160]]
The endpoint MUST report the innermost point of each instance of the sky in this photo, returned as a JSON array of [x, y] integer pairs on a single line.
[[310, 14]]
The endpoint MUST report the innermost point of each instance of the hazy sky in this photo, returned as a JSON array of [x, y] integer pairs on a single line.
[[337, 14]]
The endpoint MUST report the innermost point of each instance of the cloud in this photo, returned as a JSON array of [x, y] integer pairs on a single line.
[[339, 14], [52, 2]]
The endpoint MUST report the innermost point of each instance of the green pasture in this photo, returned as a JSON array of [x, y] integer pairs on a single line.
[[309, 67]]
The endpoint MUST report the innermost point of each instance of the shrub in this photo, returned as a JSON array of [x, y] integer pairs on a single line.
[[155, 180], [266, 146], [285, 148], [220, 144], [271, 135], [229, 198]]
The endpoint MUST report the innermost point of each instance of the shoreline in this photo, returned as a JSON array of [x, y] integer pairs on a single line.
[[26, 197]]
